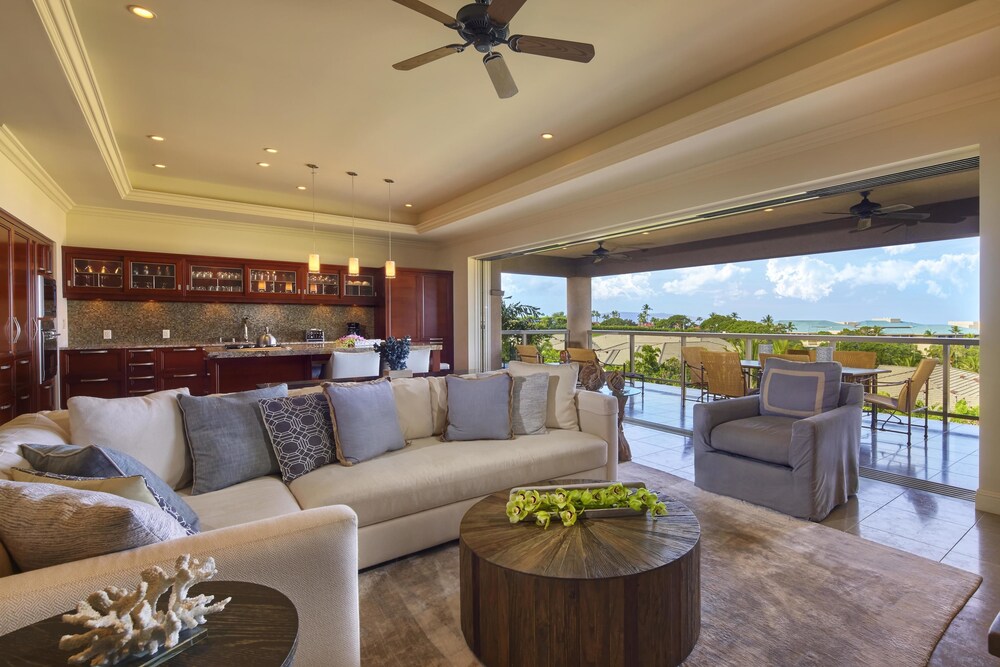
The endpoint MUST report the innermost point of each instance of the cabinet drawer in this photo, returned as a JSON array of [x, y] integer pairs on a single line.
[[7, 406], [47, 396], [93, 363], [195, 382], [102, 387], [182, 360], [22, 373], [143, 384], [6, 376], [141, 355]]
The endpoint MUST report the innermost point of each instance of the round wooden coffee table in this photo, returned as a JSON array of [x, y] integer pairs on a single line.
[[260, 626], [615, 591]]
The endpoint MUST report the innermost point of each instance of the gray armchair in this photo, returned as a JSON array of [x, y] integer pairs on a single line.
[[802, 467]]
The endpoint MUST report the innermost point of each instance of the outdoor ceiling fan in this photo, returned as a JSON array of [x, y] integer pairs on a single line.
[[600, 254], [866, 210], [484, 25]]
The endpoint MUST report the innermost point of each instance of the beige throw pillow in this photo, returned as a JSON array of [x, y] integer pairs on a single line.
[[413, 407], [148, 428], [132, 488], [561, 411], [33, 428], [6, 564], [44, 524], [439, 403]]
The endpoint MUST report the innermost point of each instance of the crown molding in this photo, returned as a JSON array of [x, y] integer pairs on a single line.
[[261, 210], [15, 151], [117, 214], [64, 34], [712, 107]]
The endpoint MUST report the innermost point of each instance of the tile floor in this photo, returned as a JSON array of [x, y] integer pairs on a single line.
[[932, 526], [950, 457]]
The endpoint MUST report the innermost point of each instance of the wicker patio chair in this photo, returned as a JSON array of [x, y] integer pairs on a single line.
[[724, 374], [528, 354], [691, 364], [906, 401]]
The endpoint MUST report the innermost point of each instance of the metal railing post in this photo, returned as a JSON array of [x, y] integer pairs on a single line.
[[945, 362], [748, 349], [631, 353]]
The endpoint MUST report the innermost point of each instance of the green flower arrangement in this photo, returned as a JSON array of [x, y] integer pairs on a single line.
[[569, 505]]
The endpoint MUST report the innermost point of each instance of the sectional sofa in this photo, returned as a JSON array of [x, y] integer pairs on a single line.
[[309, 538]]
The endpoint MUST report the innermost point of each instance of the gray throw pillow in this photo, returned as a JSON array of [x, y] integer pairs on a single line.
[[799, 389], [97, 461], [44, 525], [530, 404], [365, 423], [227, 438], [479, 408], [301, 432]]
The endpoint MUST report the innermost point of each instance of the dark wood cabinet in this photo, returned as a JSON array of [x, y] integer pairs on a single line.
[[419, 304], [24, 255], [99, 372], [150, 276], [181, 367], [141, 376], [94, 274]]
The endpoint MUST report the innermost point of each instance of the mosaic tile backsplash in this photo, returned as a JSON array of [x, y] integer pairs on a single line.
[[142, 322]]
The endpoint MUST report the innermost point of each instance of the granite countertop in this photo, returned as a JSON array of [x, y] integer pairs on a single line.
[[218, 350]]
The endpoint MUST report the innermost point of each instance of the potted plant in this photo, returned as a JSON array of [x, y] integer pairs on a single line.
[[394, 353]]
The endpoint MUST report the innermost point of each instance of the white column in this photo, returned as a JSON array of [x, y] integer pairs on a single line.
[[578, 309], [988, 498]]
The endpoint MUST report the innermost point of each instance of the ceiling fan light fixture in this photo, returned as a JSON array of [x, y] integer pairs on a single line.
[[500, 75]]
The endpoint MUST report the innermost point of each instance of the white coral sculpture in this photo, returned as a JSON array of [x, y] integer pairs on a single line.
[[124, 624]]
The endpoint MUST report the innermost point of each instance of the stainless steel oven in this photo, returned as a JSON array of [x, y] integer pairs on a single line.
[[46, 307], [48, 350]]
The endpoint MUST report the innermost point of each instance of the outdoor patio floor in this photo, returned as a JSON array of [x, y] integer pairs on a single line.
[[950, 457]]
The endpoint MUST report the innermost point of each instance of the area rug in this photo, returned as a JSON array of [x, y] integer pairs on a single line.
[[775, 591]]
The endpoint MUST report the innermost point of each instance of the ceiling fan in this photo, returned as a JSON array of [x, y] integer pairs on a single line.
[[866, 210], [484, 25], [600, 253]]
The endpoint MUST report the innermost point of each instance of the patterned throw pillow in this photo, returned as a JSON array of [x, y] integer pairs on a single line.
[[798, 389], [301, 432], [107, 462], [123, 487]]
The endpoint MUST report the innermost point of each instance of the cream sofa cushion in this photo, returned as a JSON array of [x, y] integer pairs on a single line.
[[430, 473], [149, 428], [261, 498], [29, 429], [6, 564], [439, 403], [413, 407], [562, 390]]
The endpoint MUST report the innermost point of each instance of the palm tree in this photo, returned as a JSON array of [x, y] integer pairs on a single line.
[[768, 320]]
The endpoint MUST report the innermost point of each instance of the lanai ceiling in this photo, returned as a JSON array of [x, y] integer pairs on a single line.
[[222, 80]]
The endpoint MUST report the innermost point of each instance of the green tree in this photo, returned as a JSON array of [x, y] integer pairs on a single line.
[[644, 314], [767, 320], [516, 316]]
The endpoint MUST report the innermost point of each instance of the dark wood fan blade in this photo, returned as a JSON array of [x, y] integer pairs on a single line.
[[552, 48], [429, 57], [502, 11], [903, 216], [428, 11]]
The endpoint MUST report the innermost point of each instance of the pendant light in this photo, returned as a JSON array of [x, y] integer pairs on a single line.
[[353, 266], [390, 266], [313, 256]]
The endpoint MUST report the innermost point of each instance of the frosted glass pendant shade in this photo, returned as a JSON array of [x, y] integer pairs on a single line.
[[353, 267], [313, 263], [390, 269]]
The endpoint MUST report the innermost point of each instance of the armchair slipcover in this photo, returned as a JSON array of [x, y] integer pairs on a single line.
[[802, 467]]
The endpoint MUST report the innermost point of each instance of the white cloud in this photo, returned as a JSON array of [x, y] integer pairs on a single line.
[[705, 278], [760, 292], [900, 249], [811, 279], [803, 278], [628, 285]]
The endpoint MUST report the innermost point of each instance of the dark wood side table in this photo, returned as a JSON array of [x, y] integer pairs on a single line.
[[617, 591], [258, 627]]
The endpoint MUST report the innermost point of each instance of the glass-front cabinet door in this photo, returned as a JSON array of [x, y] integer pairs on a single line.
[[151, 276], [322, 284], [273, 282], [363, 285], [95, 274], [215, 280]]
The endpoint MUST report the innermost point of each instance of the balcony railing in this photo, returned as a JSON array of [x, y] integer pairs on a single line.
[[613, 355]]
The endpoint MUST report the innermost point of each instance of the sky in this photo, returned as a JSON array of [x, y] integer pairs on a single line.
[[928, 283]]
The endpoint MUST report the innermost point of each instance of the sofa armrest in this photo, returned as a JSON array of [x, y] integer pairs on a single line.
[[310, 556], [822, 441], [709, 415], [598, 415]]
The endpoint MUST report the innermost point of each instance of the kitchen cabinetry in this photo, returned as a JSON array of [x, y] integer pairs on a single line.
[[148, 277], [141, 373], [181, 367], [99, 372], [93, 274], [20, 250], [419, 304], [273, 281], [214, 280]]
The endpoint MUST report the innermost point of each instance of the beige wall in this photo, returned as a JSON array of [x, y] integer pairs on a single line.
[[989, 314]]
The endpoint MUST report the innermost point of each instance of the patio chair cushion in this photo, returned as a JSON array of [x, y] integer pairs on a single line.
[[795, 389], [765, 438]]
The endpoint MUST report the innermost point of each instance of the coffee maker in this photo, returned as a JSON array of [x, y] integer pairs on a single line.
[[355, 329]]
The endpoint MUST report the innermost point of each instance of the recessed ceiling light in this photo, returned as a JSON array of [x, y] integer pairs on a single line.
[[154, 137], [547, 135], [263, 164], [270, 150], [300, 187], [408, 205], [141, 12], [768, 210], [645, 233], [160, 166]]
